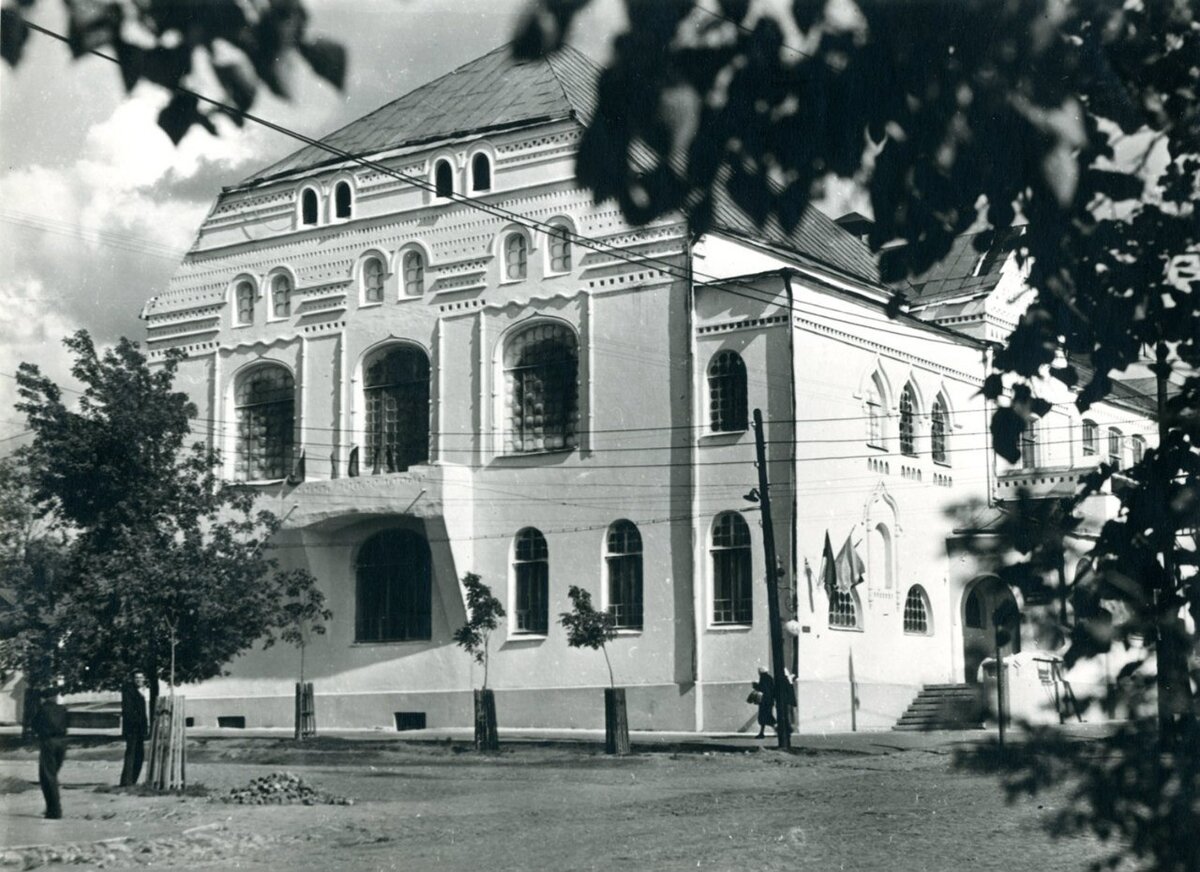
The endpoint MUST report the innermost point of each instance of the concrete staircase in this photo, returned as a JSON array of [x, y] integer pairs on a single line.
[[943, 707]]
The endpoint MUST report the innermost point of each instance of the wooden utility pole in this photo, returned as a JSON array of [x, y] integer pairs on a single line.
[[782, 714]]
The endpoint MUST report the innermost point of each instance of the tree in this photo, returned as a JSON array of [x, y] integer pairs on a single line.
[[304, 613], [243, 43], [484, 612], [588, 628], [169, 571], [1078, 119]]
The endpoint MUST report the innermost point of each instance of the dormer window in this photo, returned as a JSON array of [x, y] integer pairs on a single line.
[[373, 280], [516, 257], [342, 200], [309, 207], [443, 179], [481, 173]]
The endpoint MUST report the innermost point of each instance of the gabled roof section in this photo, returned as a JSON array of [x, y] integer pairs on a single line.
[[965, 271]]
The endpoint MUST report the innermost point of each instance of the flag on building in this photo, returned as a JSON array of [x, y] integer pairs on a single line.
[[849, 566], [828, 567]]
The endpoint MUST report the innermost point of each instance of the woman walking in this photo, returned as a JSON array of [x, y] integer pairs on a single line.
[[766, 701]]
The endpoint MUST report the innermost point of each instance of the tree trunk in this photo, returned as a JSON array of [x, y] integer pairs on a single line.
[[306, 711], [168, 769], [616, 722], [487, 737]]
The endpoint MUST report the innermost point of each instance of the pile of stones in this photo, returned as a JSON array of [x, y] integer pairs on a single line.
[[282, 788]]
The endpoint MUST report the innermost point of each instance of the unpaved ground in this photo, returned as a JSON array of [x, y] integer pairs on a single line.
[[442, 808]]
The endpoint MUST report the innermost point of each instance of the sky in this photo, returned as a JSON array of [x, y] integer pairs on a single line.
[[97, 206]]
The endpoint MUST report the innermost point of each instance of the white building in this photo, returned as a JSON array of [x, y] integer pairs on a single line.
[[486, 371]]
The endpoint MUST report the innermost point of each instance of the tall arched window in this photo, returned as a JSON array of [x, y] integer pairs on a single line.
[[396, 387], [1030, 451], [342, 200], [1116, 447], [843, 610], [541, 366], [265, 408], [875, 415], [623, 559], [560, 250], [481, 173], [531, 575], [516, 256], [394, 586], [908, 421], [443, 178], [880, 557], [939, 431], [373, 273], [727, 400], [973, 611], [916, 611], [245, 303], [1137, 448], [414, 274], [309, 207], [281, 297], [732, 583], [1091, 438]]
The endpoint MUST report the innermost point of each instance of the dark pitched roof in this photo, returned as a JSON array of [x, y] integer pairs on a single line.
[[965, 271]]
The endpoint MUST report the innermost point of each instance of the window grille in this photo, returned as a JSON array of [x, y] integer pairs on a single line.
[[542, 364], [1091, 439], [443, 179], [916, 611], [394, 585], [414, 274], [396, 388], [1137, 446], [624, 559], [732, 583], [481, 173], [843, 610], [531, 569], [727, 399], [373, 280], [560, 250], [939, 431], [341, 200], [281, 296], [1116, 447], [245, 303], [908, 422], [308, 207], [875, 435], [516, 256], [265, 411]]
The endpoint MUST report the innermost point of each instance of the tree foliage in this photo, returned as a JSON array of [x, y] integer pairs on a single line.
[[484, 613], [588, 627], [243, 43], [303, 613]]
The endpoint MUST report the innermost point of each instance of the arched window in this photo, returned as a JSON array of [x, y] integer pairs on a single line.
[[443, 178], [373, 280], [245, 303], [732, 583], [727, 393], [541, 374], [281, 296], [843, 610], [879, 553], [916, 611], [396, 387], [1030, 450], [414, 274], [560, 250], [481, 173], [531, 574], [308, 207], [1091, 438], [342, 200], [1137, 447], [516, 256], [908, 421], [265, 407], [623, 558], [1116, 447], [973, 611], [939, 431], [875, 416], [394, 581]]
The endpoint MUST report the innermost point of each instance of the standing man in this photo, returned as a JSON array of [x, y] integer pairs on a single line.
[[50, 727], [134, 729]]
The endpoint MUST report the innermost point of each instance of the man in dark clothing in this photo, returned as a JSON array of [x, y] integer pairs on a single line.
[[50, 726], [134, 729]]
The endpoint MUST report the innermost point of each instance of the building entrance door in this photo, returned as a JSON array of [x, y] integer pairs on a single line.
[[981, 600]]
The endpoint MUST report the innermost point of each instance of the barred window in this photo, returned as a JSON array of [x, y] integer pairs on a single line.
[[908, 421], [939, 431], [414, 274], [1116, 447], [531, 572], [623, 556], [443, 178], [281, 296], [1030, 450], [308, 207], [341, 200], [560, 250], [396, 388], [394, 585], [481, 173], [1091, 438], [516, 256], [732, 584], [727, 399], [916, 611], [1137, 445], [541, 378], [265, 411], [245, 303], [843, 610], [373, 280]]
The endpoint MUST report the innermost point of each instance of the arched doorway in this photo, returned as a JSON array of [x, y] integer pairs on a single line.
[[982, 599]]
